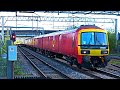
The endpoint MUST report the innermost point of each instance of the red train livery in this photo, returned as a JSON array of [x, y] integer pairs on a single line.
[[85, 46]]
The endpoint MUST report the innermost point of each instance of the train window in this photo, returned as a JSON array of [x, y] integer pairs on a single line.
[[100, 38], [93, 38], [87, 38]]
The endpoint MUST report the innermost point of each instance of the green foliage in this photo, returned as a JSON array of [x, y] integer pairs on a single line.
[[118, 42], [112, 42], [113, 61], [17, 68]]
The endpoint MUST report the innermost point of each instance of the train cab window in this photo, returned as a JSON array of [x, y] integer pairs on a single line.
[[93, 38], [87, 38], [100, 38]]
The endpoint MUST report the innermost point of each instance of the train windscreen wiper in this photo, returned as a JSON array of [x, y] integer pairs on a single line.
[[98, 41], [90, 40]]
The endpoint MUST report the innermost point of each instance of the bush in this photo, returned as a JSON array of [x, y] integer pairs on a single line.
[[112, 42]]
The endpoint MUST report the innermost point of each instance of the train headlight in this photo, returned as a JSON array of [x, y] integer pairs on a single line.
[[85, 51], [104, 52]]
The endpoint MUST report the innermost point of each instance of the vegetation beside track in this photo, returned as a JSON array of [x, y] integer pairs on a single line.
[[114, 61], [17, 69], [3, 61]]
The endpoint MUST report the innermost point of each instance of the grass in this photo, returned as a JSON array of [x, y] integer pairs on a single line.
[[3, 68], [3, 63], [114, 61], [18, 69], [115, 54]]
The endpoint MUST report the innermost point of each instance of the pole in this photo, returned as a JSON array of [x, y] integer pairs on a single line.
[[16, 20], [37, 26], [10, 31], [32, 22], [116, 31], [2, 32], [10, 67]]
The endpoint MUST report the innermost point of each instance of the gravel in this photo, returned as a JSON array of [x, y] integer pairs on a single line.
[[64, 69], [26, 68]]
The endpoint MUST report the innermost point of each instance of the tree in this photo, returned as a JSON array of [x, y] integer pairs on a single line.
[[112, 42]]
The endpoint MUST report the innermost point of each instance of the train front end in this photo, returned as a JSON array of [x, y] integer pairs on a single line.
[[93, 46]]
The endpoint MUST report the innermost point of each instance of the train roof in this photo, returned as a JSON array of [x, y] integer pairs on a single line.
[[72, 30], [89, 26], [56, 33]]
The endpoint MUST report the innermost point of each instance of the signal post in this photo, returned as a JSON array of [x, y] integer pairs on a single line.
[[11, 56]]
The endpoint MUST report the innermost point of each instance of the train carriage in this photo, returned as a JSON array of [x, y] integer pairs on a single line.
[[85, 46]]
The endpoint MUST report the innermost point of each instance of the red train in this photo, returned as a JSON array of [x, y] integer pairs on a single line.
[[85, 46]]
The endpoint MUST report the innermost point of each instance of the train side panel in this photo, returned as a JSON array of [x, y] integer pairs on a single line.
[[40, 43], [77, 47], [53, 43], [64, 47], [62, 44], [50, 42], [30, 42], [36, 42], [71, 46], [45, 43]]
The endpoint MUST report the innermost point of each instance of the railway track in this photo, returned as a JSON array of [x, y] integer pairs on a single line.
[[111, 70], [76, 69], [46, 70], [98, 74], [110, 74], [83, 70], [115, 65], [62, 67], [101, 73]]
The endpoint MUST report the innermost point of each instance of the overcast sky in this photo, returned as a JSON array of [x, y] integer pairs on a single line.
[[49, 25]]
